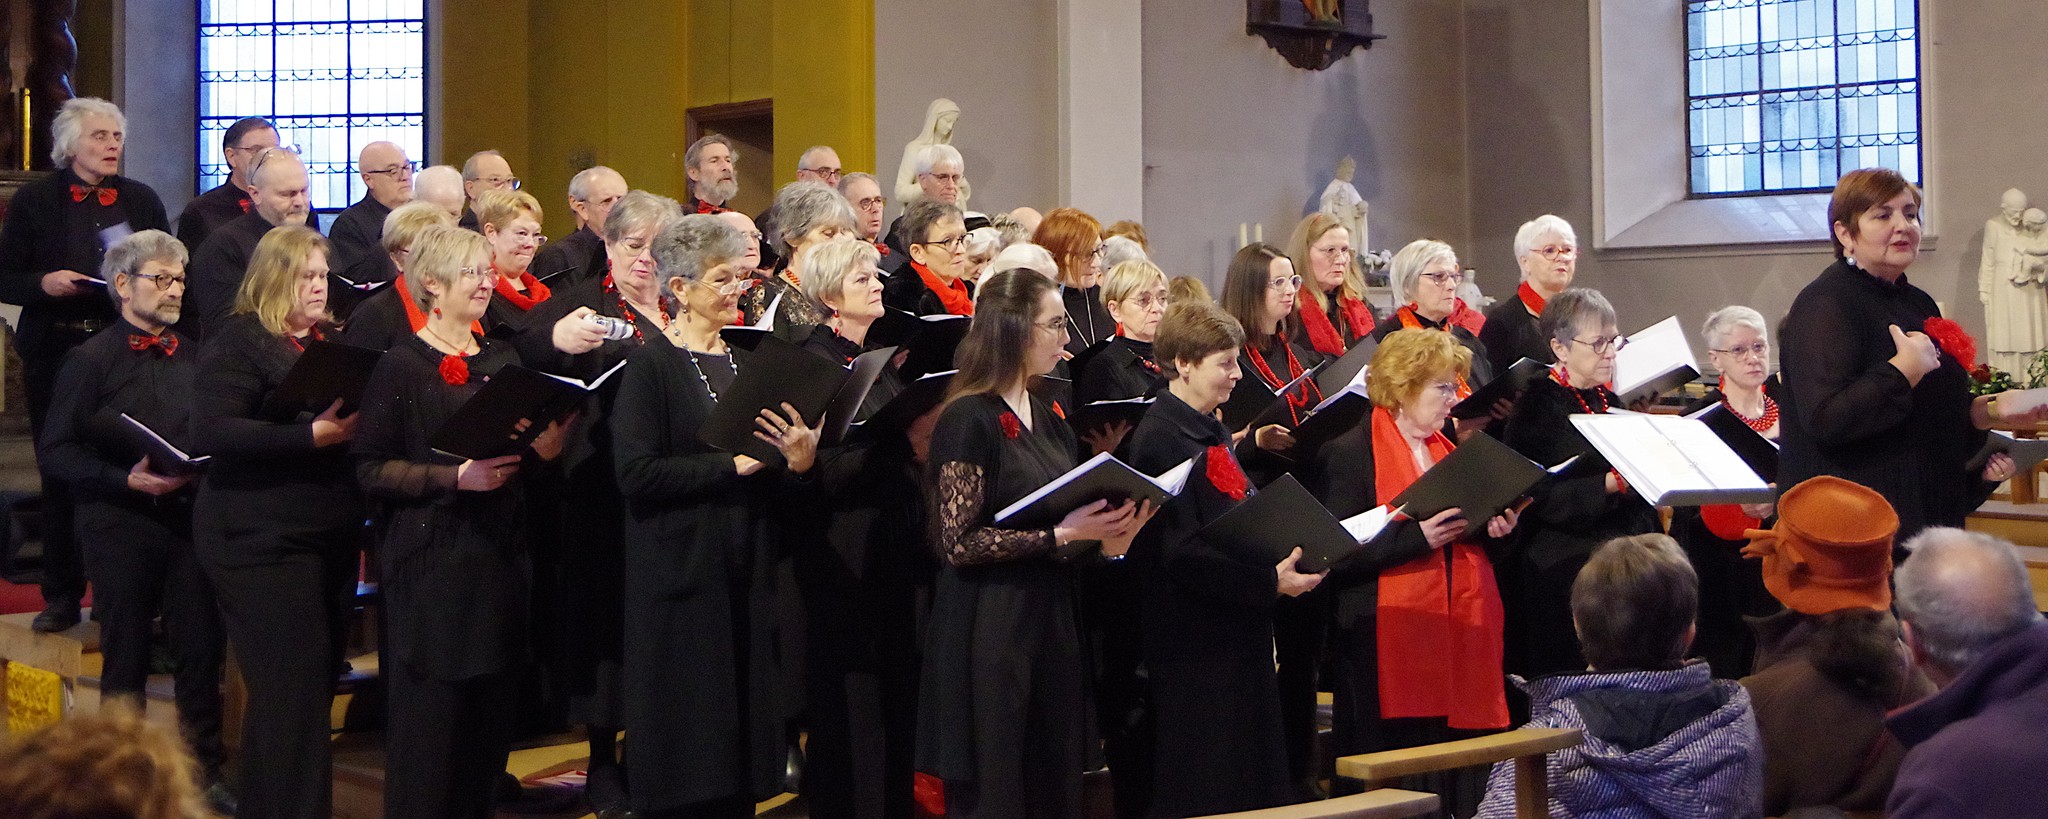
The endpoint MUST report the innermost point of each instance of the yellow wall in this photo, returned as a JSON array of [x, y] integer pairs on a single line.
[[558, 85]]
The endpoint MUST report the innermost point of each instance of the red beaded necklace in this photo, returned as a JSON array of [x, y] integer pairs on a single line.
[[626, 309], [1761, 424], [1557, 374]]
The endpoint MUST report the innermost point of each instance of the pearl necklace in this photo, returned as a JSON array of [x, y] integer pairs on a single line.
[[698, 368]]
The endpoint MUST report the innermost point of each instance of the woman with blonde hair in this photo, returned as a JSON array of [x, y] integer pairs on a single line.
[[93, 765], [1135, 295], [1426, 277], [277, 523], [1333, 311], [510, 221]]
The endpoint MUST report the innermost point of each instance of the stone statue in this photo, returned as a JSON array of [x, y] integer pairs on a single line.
[[1342, 203], [2034, 245], [2010, 284], [939, 119]]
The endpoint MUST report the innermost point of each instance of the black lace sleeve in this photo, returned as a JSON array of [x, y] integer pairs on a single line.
[[958, 496]]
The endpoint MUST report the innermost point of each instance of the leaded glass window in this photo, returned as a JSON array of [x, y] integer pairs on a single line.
[[1786, 95], [333, 75]]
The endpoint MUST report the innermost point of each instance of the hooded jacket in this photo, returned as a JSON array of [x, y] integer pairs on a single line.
[[1677, 744], [1975, 748]]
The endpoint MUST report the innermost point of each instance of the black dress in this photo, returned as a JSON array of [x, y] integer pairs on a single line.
[[455, 581], [1207, 617], [1564, 522], [1088, 320], [703, 691], [1731, 586], [277, 527], [1849, 413], [1123, 369], [1002, 717], [1510, 335]]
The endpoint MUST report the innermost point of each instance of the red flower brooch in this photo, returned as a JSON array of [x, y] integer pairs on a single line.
[[1011, 426], [1225, 475], [455, 369], [1954, 341]]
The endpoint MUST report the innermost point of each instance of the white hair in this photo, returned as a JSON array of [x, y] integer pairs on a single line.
[[803, 162], [1410, 261], [1025, 256], [984, 240], [1961, 592], [1724, 321], [1535, 230], [1119, 249], [932, 155], [69, 126], [579, 185]]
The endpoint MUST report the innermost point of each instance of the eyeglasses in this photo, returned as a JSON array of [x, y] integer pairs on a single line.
[[1147, 301], [264, 155], [506, 182], [1338, 252], [1604, 344], [530, 236], [1445, 389], [164, 281], [1058, 325], [397, 171], [953, 179], [952, 245], [729, 288], [755, 235], [481, 274], [1098, 251], [871, 203], [1289, 283], [832, 174], [1757, 350], [1555, 252], [1445, 279]]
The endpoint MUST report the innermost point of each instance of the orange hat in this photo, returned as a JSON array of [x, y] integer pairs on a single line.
[[1831, 548]]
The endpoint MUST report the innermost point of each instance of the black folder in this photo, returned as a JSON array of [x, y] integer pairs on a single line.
[[1251, 398], [1482, 477], [1508, 385], [1102, 477], [1759, 452], [1336, 375], [903, 410], [778, 372], [862, 373], [1101, 414], [140, 441], [1267, 526], [930, 340], [2025, 452], [327, 370], [487, 425]]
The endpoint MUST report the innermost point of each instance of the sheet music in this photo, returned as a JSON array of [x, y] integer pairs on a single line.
[[1665, 455], [1173, 480], [1368, 524], [1655, 350]]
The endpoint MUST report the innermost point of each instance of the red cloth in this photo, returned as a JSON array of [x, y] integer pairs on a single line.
[[1322, 332], [106, 195], [1530, 298], [535, 291], [165, 346], [707, 207], [953, 296], [1464, 316], [1439, 625], [416, 319]]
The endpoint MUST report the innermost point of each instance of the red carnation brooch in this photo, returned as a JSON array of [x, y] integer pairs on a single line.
[[1011, 426], [455, 369], [1225, 475], [1954, 341]]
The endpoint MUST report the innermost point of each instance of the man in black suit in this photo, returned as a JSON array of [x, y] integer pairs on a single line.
[[484, 171], [227, 201], [580, 256], [57, 230], [278, 193]]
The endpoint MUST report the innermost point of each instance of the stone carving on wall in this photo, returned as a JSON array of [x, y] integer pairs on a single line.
[[2010, 283], [939, 120]]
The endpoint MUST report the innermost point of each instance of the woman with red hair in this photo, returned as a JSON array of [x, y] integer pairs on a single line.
[[1075, 240]]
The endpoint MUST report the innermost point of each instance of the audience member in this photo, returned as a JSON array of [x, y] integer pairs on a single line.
[[110, 765]]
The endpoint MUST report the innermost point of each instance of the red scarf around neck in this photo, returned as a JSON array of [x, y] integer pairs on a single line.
[[535, 291], [1464, 316], [1439, 619], [953, 296], [1322, 333], [1413, 321], [414, 316], [1531, 299]]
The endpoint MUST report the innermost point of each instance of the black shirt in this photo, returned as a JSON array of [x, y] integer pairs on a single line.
[[102, 379], [217, 270], [378, 322], [356, 234], [571, 259], [1088, 321], [46, 231], [208, 211], [1510, 335], [1124, 368]]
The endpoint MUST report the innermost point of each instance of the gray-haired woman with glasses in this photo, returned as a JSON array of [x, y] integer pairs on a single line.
[[1566, 519], [1426, 275]]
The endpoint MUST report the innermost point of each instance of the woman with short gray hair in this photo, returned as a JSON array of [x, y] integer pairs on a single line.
[[1566, 519], [1547, 252], [805, 213], [700, 545], [1426, 276]]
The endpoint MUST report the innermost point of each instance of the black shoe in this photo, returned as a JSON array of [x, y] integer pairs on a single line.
[[57, 616], [604, 790]]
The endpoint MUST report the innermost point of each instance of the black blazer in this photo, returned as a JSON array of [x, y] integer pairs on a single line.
[[46, 231], [208, 211], [1510, 335]]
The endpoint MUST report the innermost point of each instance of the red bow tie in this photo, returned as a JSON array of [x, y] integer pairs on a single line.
[[882, 248], [707, 207], [166, 346], [245, 205], [107, 195]]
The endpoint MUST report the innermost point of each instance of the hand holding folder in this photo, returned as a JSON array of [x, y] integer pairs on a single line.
[[511, 410]]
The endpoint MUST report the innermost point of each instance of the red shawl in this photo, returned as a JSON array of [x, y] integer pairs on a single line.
[[416, 318], [953, 296], [1464, 316], [1322, 333], [535, 291], [1439, 626], [1531, 299]]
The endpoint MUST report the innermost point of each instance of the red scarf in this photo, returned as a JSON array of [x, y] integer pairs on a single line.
[[1439, 619], [1413, 321], [953, 296], [535, 291], [414, 316], [1464, 316], [1531, 299], [1322, 333]]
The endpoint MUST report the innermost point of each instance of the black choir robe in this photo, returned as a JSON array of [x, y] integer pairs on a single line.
[[1088, 321], [206, 212], [571, 259], [1510, 335], [1123, 369], [215, 275], [379, 322]]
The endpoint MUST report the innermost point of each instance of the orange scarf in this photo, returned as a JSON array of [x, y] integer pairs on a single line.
[[1322, 333], [954, 296], [1413, 321], [1439, 616], [535, 291], [414, 316]]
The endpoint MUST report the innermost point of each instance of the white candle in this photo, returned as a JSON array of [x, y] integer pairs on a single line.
[[1241, 241], [1259, 232]]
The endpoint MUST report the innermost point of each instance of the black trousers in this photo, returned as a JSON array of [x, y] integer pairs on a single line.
[[63, 566], [141, 562], [446, 742], [1298, 629], [858, 763], [285, 597], [1109, 603]]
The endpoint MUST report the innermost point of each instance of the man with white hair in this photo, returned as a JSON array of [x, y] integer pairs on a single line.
[[864, 192], [941, 177], [818, 163], [441, 186], [227, 201], [51, 246], [710, 163], [1969, 618], [485, 170], [580, 256], [387, 173], [278, 194], [1547, 251]]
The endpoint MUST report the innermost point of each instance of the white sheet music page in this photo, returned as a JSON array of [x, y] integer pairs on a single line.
[[1650, 353], [1673, 461]]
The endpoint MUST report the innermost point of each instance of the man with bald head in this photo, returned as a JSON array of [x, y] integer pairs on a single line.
[[278, 196], [485, 171], [357, 232], [1969, 619], [440, 186], [580, 256], [818, 163]]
